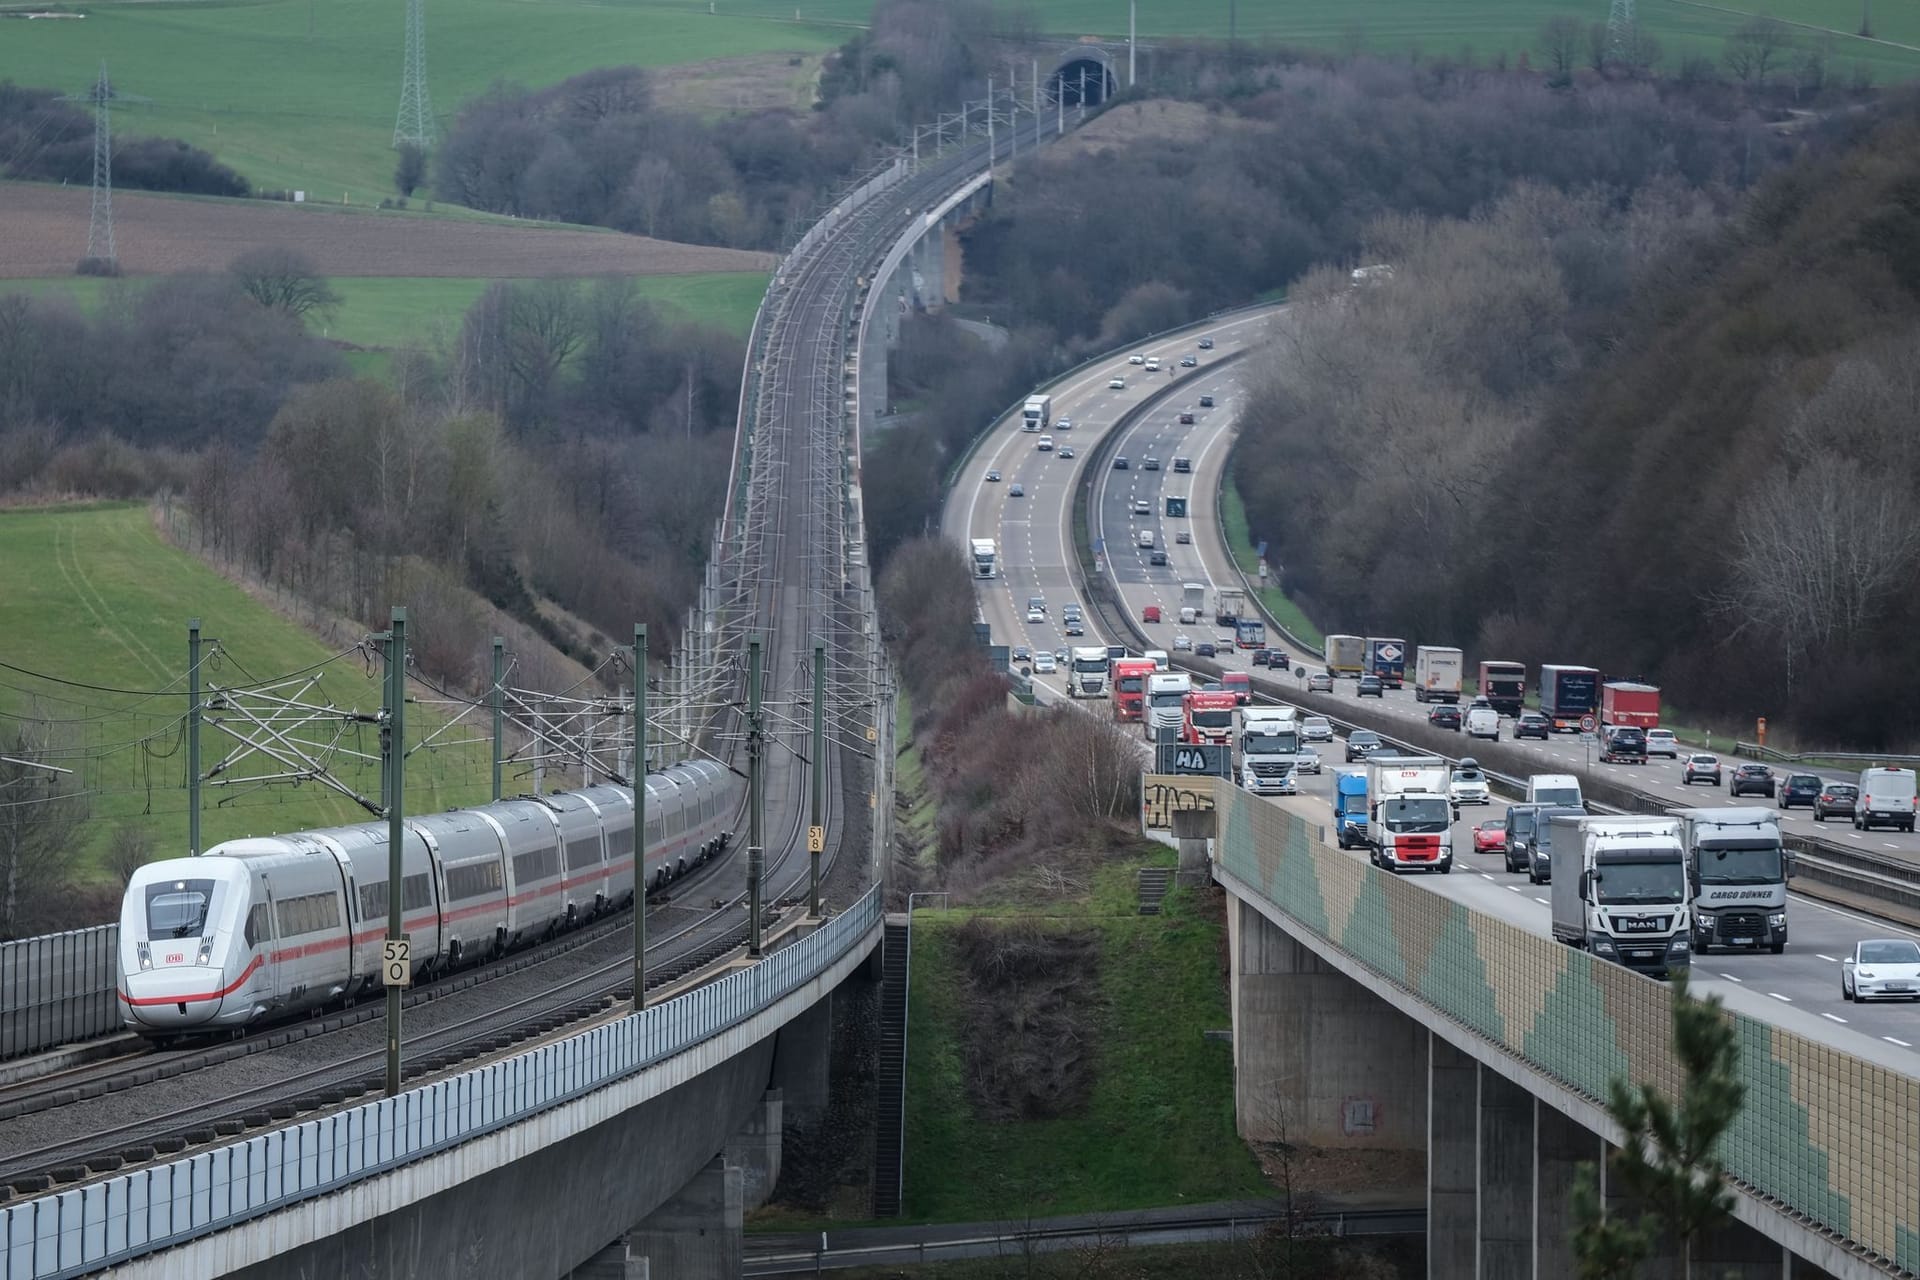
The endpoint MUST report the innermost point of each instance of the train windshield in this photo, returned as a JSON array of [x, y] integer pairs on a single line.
[[178, 908]]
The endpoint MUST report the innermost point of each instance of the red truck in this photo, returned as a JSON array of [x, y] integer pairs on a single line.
[[1209, 717], [1623, 702], [1129, 686]]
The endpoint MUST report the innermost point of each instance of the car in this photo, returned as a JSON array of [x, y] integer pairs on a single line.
[[1490, 836], [1158, 557], [1074, 627], [1151, 464], [993, 477], [1022, 654], [1751, 777], [1205, 344], [1183, 538], [1370, 687], [1881, 969], [1153, 364], [1661, 742], [1204, 649], [1701, 768], [1468, 785], [1044, 663], [1183, 643], [1116, 384], [1316, 729], [1362, 743], [1836, 800], [1137, 358], [1065, 451], [1320, 682], [1063, 424], [1445, 716], [1141, 507], [1801, 788], [1206, 402], [1151, 613], [1016, 490], [1189, 362], [1120, 463], [1531, 724]]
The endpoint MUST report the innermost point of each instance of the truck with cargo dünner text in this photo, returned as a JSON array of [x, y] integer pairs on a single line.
[[1436, 673], [1568, 695], [1620, 891], [1737, 869]]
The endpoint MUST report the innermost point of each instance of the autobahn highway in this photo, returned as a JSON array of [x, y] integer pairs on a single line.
[[1798, 990]]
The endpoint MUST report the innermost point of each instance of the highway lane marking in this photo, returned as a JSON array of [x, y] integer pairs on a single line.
[[1902, 1043], [1783, 999], [1834, 1017]]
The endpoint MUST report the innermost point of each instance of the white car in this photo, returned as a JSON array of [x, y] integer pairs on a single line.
[[1116, 384], [1316, 729], [1043, 664], [1469, 786], [1183, 643], [1881, 969], [1136, 359], [1661, 742], [1035, 615]]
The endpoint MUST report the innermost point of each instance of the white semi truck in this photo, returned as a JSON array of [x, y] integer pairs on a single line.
[[1620, 891], [985, 558], [1737, 869], [1410, 814], [1437, 673]]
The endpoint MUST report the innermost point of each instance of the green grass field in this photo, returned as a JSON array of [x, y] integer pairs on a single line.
[[299, 94], [1159, 1126], [96, 597], [384, 314]]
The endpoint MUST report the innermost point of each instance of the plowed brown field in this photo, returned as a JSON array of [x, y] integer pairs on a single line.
[[43, 232]]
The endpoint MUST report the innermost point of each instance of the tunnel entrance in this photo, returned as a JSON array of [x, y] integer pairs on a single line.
[[1085, 81]]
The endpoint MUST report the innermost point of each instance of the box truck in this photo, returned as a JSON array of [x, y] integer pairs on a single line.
[[1620, 891], [1436, 673]]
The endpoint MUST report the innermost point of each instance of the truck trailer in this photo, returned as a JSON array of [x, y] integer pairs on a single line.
[[1626, 703], [1504, 686], [1410, 814], [1568, 695], [1737, 868], [1436, 673], [1387, 658], [1620, 891], [1346, 655]]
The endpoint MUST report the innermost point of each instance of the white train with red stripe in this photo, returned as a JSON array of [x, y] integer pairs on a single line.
[[258, 929]]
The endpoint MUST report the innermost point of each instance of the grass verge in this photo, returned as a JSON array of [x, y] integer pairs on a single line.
[[1157, 1128], [96, 597], [1233, 524]]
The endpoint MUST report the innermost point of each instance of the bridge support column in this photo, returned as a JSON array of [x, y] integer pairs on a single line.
[[1317, 1058], [803, 1061], [697, 1234], [1453, 1161], [755, 1149]]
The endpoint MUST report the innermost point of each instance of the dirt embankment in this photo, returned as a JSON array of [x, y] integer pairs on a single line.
[[46, 234]]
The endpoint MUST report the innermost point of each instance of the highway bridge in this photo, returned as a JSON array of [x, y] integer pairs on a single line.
[[1433, 1011]]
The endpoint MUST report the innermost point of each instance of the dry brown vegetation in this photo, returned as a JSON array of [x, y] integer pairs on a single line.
[[46, 231]]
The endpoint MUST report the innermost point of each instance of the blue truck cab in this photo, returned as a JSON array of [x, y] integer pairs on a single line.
[[1350, 808]]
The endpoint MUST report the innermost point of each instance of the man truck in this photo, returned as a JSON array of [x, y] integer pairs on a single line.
[[984, 555], [1568, 695], [1504, 686], [1410, 814], [1620, 891], [1088, 679], [1623, 702], [1387, 658], [1038, 413], [1346, 655], [1436, 674], [1737, 868]]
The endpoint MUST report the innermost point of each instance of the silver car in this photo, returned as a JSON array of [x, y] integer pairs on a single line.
[[1881, 969]]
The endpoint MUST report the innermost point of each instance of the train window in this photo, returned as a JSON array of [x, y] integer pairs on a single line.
[[259, 924], [584, 852], [177, 908], [475, 880]]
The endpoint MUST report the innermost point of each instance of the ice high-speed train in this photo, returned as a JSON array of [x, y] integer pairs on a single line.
[[259, 929]]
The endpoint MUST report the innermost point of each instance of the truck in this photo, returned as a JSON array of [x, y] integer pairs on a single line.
[[1269, 750], [1228, 604], [1410, 814], [1436, 673], [1628, 703], [1737, 869], [1346, 655], [1193, 598], [1568, 695], [1504, 686], [1387, 658], [984, 556], [1087, 675], [1250, 633], [1167, 702], [1350, 808], [1208, 717], [1129, 685], [1620, 891], [1037, 415]]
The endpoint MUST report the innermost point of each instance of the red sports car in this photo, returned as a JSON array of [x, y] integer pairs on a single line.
[[1490, 836]]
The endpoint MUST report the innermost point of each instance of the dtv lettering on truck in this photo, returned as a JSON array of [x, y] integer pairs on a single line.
[[1737, 868]]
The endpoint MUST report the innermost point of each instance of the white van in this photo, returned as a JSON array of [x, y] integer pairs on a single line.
[[1887, 799], [1555, 788], [1483, 722], [1145, 539]]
